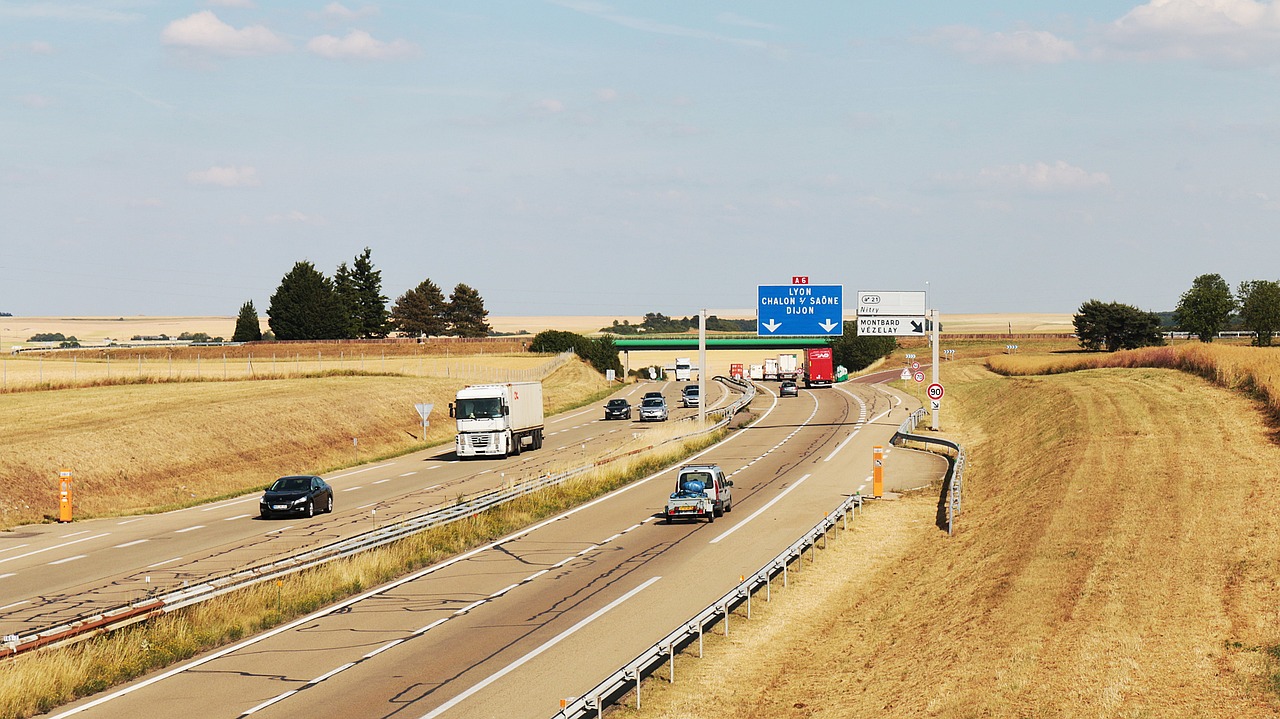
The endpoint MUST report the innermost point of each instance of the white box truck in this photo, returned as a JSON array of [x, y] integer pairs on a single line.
[[683, 369], [788, 366], [771, 368], [756, 372], [498, 419]]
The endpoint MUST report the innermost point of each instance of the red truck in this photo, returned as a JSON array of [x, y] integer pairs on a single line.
[[818, 371], [735, 370]]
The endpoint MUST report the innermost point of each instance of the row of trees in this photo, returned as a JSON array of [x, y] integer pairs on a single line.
[[656, 322], [310, 306], [1209, 308]]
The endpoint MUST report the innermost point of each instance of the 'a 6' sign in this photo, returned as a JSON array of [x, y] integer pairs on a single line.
[[935, 391]]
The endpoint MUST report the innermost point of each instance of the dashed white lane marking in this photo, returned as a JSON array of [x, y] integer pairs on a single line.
[[470, 606], [760, 511], [74, 534], [382, 648], [438, 466], [366, 506], [130, 521], [592, 548], [7, 575], [331, 672], [290, 526], [407, 474], [56, 546], [238, 516], [228, 504], [840, 446], [272, 700], [15, 604], [358, 471], [68, 559], [10, 549], [503, 591], [129, 544], [535, 575], [161, 564], [380, 481], [188, 529], [352, 489], [531, 655], [431, 626]]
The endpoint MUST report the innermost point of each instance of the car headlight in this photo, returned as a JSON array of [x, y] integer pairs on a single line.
[[299, 500]]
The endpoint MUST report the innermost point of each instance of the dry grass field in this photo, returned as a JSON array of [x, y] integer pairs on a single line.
[[1117, 557], [137, 448]]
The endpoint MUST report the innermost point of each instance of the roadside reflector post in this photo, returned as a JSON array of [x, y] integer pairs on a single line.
[[877, 471], [64, 495]]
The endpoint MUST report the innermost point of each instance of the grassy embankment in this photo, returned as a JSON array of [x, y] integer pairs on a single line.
[[151, 447], [1116, 558]]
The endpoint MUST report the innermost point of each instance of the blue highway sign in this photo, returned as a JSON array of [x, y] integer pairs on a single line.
[[800, 310]]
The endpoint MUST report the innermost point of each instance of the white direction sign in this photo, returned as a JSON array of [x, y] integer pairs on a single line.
[[891, 303], [899, 326], [935, 405]]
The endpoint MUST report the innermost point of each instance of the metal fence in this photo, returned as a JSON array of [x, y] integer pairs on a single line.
[[953, 481]]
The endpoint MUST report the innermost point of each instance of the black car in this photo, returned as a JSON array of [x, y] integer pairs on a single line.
[[617, 409], [788, 388], [294, 495]]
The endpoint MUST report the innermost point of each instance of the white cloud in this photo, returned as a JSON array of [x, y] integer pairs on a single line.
[[733, 18], [1232, 31], [549, 105], [1022, 47], [65, 11], [1043, 177], [360, 45], [606, 94], [338, 11], [243, 176], [609, 14], [298, 217], [37, 102], [249, 4], [205, 32]]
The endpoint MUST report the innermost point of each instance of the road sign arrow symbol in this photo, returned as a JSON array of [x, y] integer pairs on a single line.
[[828, 325], [772, 325], [917, 326]]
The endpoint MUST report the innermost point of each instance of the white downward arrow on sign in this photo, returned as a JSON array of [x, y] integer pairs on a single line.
[[772, 325], [828, 325]]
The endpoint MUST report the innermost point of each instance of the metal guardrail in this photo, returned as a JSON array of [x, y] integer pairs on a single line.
[[126, 614], [620, 682], [953, 481]]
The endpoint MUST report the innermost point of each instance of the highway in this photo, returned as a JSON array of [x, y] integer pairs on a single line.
[[55, 573], [511, 628]]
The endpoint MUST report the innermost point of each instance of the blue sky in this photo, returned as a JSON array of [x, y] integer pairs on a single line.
[[574, 157]]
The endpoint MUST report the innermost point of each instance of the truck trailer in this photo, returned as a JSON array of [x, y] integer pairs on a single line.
[[770, 369], [788, 366], [683, 369], [818, 371], [497, 419]]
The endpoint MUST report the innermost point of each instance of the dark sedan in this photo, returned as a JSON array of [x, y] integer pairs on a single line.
[[617, 409], [788, 389], [296, 495]]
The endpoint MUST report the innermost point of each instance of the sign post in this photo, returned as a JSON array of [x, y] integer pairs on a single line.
[[424, 411], [935, 407]]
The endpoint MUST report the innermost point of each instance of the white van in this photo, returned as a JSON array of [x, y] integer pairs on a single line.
[[718, 489]]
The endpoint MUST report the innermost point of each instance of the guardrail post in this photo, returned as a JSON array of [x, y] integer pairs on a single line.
[[725, 609], [671, 650], [699, 640], [748, 601]]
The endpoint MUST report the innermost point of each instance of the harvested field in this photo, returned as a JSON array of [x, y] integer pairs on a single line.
[[137, 448], [1116, 558]]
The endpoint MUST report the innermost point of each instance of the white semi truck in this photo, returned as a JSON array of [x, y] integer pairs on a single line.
[[788, 366], [498, 419], [683, 369]]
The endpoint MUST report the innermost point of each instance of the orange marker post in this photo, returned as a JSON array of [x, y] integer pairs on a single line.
[[64, 495], [877, 471]]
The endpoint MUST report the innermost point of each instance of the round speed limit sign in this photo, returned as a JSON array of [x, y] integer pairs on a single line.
[[919, 376], [935, 391], [915, 366]]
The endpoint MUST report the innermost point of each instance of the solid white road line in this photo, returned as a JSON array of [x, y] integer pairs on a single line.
[[533, 654], [760, 511]]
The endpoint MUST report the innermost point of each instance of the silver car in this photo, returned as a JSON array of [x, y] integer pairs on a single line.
[[690, 397], [653, 409]]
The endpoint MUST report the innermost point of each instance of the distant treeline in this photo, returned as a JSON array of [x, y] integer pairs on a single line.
[[658, 323]]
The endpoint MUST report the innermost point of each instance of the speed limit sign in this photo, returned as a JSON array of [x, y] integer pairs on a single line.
[[935, 391], [919, 376], [915, 366]]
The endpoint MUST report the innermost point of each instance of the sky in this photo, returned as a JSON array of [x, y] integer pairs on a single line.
[[573, 157]]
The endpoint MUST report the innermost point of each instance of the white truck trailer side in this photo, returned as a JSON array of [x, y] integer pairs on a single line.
[[498, 419]]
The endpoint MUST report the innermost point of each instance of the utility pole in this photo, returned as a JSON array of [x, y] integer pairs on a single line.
[[933, 316], [702, 366]]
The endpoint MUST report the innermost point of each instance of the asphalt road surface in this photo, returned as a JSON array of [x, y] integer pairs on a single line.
[[509, 629]]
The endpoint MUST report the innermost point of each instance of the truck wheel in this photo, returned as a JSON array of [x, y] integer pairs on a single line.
[[728, 507], [514, 449], [711, 518], [717, 512]]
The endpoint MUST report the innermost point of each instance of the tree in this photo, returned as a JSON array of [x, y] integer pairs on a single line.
[[247, 327], [421, 311], [1116, 326], [601, 353], [1260, 309], [854, 352], [1205, 309], [361, 290], [466, 313], [306, 307]]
